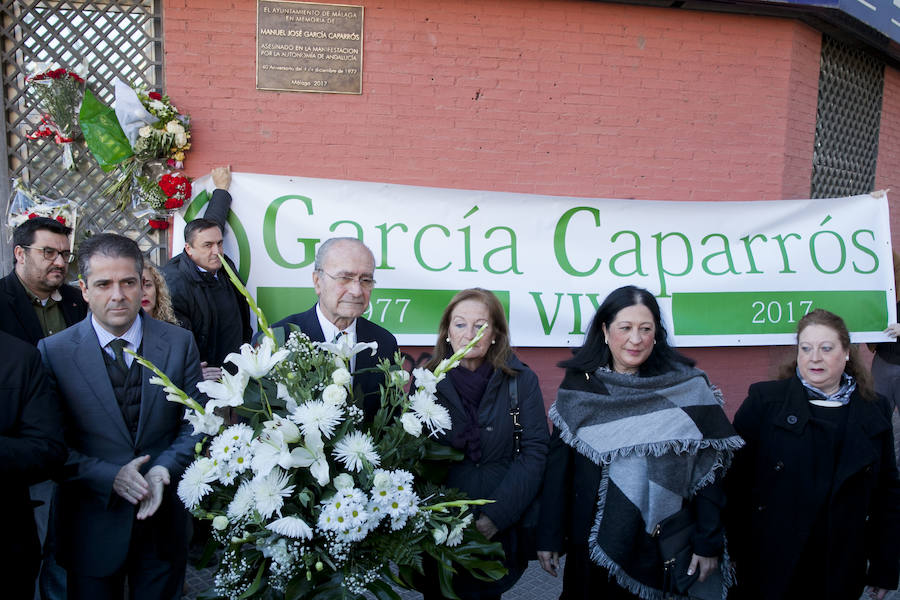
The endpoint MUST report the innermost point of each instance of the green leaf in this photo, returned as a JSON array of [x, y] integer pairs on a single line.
[[382, 590], [102, 132], [257, 581], [437, 451]]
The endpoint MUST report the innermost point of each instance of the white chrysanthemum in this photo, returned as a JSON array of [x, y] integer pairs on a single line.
[[334, 395], [257, 362], [242, 503], [341, 376], [411, 424], [292, 527], [270, 491], [432, 414], [317, 416], [354, 448], [228, 391], [426, 380], [194, 484], [225, 445]]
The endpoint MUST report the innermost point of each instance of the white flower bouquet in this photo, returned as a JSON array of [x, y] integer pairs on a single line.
[[308, 501]]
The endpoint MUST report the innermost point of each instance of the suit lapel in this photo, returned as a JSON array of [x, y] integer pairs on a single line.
[[309, 324], [88, 358], [156, 352], [20, 306]]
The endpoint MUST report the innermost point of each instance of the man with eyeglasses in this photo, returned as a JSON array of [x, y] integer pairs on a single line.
[[36, 300], [343, 280]]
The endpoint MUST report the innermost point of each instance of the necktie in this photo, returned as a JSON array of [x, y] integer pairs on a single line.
[[118, 346]]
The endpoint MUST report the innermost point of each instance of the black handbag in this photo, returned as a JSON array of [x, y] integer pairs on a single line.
[[674, 537]]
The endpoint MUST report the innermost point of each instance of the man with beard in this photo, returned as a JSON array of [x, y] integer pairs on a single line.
[[34, 298], [35, 302]]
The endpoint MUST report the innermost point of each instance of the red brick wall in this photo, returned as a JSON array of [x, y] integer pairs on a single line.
[[550, 97], [887, 175]]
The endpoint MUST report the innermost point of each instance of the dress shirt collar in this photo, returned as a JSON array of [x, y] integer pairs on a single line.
[[330, 331], [133, 336]]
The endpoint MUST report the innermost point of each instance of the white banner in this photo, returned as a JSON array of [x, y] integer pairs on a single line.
[[725, 273]]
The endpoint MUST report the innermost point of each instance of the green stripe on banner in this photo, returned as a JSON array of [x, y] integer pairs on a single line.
[[741, 313], [397, 310]]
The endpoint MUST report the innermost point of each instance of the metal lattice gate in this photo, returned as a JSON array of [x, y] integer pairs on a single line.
[[848, 118], [114, 38]]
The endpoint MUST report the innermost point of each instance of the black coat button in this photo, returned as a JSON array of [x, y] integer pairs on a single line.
[[779, 466], [792, 419]]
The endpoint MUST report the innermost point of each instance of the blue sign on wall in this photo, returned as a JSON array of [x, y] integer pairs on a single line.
[[881, 15]]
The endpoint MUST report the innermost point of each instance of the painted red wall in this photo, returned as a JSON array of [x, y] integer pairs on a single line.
[[887, 174], [550, 97]]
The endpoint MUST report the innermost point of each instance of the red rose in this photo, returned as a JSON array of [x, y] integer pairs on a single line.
[[76, 77], [159, 224], [155, 96], [61, 219], [33, 215], [172, 203]]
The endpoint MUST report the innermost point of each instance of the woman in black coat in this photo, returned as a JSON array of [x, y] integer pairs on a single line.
[[499, 464], [640, 436], [814, 497]]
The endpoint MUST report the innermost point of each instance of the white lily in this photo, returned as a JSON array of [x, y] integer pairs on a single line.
[[289, 432], [257, 362], [228, 391], [345, 347], [270, 450], [312, 455]]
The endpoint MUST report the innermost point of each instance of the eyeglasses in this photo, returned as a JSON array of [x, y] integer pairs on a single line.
[[364, 281], [50, 254]]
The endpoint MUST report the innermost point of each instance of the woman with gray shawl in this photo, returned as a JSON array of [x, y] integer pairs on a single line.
[[639, 434]]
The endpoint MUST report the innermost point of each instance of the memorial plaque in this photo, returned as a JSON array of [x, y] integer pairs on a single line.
[[308, 47]]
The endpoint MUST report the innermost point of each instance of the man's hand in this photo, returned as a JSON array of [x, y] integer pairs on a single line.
[[210, 373], [221, 177], [157, 478], [893, 330], [486, 526], [549, 561], [129, 483]]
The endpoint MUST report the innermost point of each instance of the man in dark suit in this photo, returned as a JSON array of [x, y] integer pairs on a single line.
[[203, 297], [117, 513], [34, 299], [31, 447], [343, 279]]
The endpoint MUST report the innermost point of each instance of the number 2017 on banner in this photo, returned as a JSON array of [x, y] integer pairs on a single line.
[[775, 312]]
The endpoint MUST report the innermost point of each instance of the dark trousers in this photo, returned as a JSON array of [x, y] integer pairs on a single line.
[[149, 576]]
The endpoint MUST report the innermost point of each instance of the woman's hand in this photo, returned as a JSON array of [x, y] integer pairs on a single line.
[[706, 564], [877, 592], [893, 331], [486, 527], [549, 561]]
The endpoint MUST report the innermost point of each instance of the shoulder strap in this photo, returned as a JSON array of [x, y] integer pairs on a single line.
[[514, 413]]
